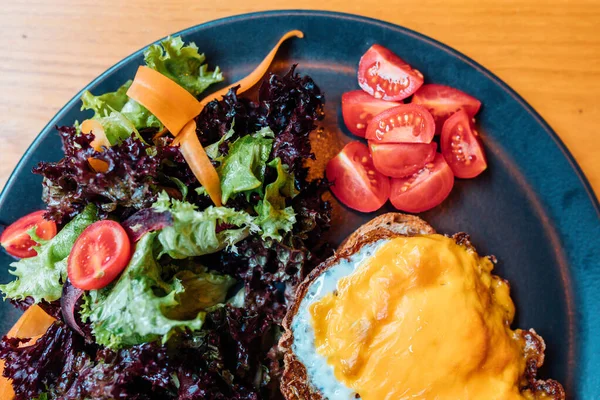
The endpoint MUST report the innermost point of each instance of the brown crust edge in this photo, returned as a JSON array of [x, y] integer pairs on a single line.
[[294, 382], [531, 387]]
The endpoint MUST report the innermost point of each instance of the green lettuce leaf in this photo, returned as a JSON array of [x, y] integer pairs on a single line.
[[274, 218], [183, 64], [119, 115], [42, 276], [194, 233], [212, 150], [140, 116], [105, 103], [141, 307], [203, 290], [117, 127], [243, 168]]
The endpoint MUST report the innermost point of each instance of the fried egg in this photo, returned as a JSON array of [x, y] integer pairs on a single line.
[[410, 317]]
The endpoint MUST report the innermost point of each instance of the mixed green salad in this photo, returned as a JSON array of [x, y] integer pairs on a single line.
[[158, 290]]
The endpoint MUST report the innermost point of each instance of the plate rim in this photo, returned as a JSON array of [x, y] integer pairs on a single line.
[[584, 321]]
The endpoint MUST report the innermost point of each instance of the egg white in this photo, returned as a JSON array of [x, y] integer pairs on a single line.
[[320, 373]]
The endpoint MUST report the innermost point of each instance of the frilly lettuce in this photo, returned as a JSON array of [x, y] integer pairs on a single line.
[[182, 64], [142, 307], [119, 115], [42, 276], [243, 168], [242, 172], [105, 103], [203, 290], [195, 233], [212, 150], [273, 215]]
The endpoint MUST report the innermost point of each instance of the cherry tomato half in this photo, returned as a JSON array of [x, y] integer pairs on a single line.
[[355, 181], [425, 189], [99, 255], [18, 243], [398, 160], [461, 146], [443, 101], [359, 108], [407, 123], [386, 76]]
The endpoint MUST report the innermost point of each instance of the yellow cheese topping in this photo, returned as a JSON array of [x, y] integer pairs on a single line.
[[423, 318]]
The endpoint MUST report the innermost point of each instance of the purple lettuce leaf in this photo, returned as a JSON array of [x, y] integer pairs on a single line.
[[130, 182]]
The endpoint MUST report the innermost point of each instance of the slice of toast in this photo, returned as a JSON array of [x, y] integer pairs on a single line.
[[295, 384]]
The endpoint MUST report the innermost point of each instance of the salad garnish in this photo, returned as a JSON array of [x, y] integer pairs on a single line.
[[176, 108], [211, 197]]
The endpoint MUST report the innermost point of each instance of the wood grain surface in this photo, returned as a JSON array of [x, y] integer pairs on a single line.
[[547, 50]]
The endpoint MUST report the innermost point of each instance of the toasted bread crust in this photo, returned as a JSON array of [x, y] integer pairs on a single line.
[[295, 384], [397, 223]]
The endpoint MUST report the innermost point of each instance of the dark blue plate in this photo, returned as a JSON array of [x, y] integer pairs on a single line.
[[533, 208]]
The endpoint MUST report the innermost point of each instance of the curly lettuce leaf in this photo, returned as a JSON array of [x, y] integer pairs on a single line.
[[117, 127], [212, 150], [119, 115], [274, 218], [203, 290], [182, 64], [105, 103], [243, 168], [195, 233], [141, 307], [42, 276]]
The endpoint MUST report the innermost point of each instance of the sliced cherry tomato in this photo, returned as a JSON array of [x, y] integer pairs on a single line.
[[99, 255], [443, 101], [18, 243], [386, 76], [407, 123], [398, 160], [462, 147], [355, 181], [425, 189], [359, 108]]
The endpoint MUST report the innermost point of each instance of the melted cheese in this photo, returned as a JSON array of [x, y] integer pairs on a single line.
[[421, 318]]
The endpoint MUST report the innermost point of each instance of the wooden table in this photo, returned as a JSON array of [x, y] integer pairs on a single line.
[[547, 50]]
